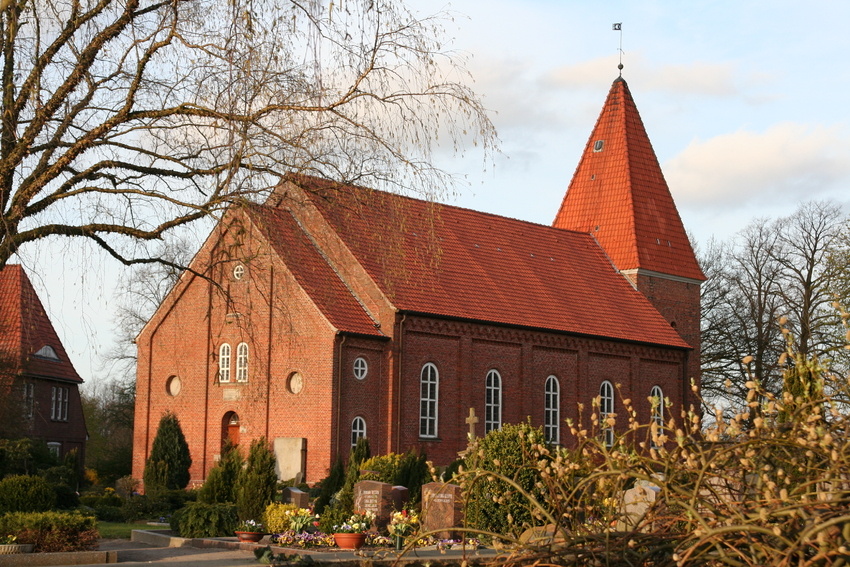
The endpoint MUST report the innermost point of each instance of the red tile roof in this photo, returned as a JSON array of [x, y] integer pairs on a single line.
[[619, 195], [454, 262], [25, 329]]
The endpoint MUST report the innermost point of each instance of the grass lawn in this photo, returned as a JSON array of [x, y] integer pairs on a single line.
[[117, 530]]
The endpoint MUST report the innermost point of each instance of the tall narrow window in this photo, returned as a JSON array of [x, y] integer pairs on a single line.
[[429, 388], [59, 403], [492, 402], [656, 399], [358, 429], [29, 400], [552, 410], [224, 363], [606, 408], [242, 362]]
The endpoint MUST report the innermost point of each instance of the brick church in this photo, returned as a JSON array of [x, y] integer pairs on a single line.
[[332, 312]]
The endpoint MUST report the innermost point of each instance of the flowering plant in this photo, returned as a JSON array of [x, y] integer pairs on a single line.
[[403, 523], [8, 540], [358, 523], [250, 526], [300, 519]]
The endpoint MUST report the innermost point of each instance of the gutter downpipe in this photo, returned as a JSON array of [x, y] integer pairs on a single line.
[[269, 354], [338, 398], [398, 382]]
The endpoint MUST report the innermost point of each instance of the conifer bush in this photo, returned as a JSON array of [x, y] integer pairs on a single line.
[[220, 485], [23, 493], [167, 467], [256, 484], [343, 504], [198, 519]]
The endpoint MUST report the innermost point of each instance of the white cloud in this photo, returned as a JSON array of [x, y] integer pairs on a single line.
[[789, 161]]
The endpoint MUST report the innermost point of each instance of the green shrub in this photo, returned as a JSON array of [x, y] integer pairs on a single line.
[[66, 497], [52, 531], [143, 507], [109, 513], [107, 498], [409, 470], [22, 493], [198, 519], [329, 486], [256, 484], [342, 505], [494, 505], [220, 485], [167, 467], [275, 518]]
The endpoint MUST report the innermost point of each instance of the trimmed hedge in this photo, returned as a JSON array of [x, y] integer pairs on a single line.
[[52, 531], [22, 493]]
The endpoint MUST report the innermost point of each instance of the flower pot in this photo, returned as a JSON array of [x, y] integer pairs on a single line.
[[350, 541], [10, 548], [249, 537]]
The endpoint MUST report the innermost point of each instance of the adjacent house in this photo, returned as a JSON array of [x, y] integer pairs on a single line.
[[332, 312], [39, 384]]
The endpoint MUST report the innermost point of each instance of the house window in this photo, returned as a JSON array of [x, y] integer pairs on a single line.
[[656, 399], [598, 145], [59, 403], [29, 400], [224, 363], [552, 410], [358, 429], [429, 388], [492, 402], [54, 448], [242, 362], [238, 272], [361, 368], [606, 408]]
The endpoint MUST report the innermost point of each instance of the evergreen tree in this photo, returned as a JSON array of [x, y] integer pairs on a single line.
[[168, 465], [220, 486], [256, 484], [330, 486], [343, 506]]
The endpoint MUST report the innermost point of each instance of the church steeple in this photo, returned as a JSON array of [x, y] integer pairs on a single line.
[[619, 195]]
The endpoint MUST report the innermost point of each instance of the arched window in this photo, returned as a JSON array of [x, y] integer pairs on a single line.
[[358, 429], [429, 389], [224, 363], [606, 407], [656, 399], [492, 402], [552, 410], [242, 362]]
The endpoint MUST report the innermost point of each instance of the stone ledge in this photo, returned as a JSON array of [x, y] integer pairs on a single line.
[[69, 558]]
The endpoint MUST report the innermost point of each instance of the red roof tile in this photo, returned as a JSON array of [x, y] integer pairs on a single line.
[[25, 329], [449, 261], [619, 195]]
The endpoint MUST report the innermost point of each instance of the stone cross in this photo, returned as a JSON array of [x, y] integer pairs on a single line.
[[471, 421]]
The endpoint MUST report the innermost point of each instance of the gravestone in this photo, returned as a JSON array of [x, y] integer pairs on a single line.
[[442, 508], [636, 501], [400, 495], [376, 497], [292, 495], [290, 457]]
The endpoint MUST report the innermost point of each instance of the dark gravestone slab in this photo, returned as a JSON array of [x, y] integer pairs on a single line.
[[400, 495], [376, 497], [292, 495], [442, 508]]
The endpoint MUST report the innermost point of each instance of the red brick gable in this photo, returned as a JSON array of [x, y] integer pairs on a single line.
[[443, 260], [618, 194], [25, 329]]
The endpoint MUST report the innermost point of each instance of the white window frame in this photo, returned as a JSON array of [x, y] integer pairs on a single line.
[[224, 362], [242, 362], [606, 407], [54, 447], [29, 400], [358, 430], [552, 410], [59, 403], [429, 397], [360, 368], [492, 401], [657, 409]]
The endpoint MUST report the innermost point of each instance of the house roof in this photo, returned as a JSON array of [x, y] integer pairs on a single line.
[[619, 195], [25, 331], [454, 262]]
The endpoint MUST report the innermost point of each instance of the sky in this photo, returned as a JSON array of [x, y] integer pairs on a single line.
[[745, 102]]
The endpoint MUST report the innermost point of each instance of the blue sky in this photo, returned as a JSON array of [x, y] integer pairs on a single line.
[[746, 104]]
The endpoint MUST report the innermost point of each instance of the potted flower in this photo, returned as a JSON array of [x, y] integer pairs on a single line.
[[352, 534], [9, 546], [250, 531], [301, 519], [402, 524]]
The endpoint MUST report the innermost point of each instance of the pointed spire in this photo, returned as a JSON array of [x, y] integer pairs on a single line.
[[619, 195]]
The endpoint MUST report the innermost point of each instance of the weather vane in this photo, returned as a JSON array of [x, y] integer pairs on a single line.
[[619, 27]]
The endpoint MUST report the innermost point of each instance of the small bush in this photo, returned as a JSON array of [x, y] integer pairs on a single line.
[[108, 498], [220, 485], [256, 484], [109, 513], [52, 531], [275, 518], [66, 497], [22, 493], [198, 519]]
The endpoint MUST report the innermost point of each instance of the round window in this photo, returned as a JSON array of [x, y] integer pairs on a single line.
[[173, 385], [296, 382], [361, 368], [238, 271]]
